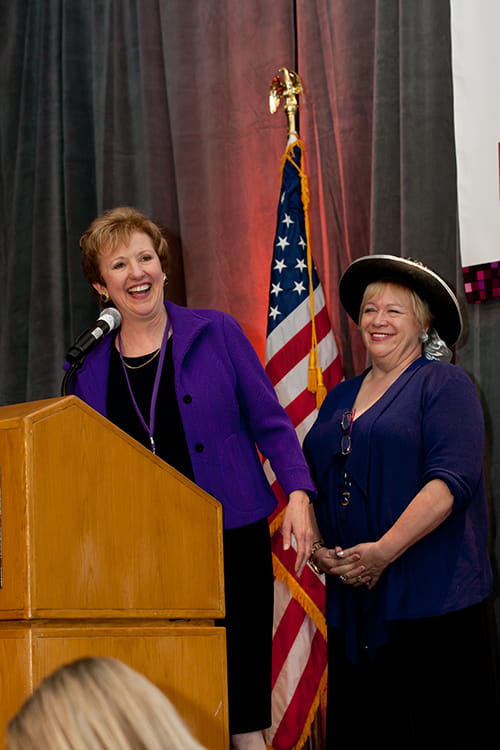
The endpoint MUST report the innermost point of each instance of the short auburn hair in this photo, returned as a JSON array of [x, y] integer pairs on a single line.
[[115, 227]]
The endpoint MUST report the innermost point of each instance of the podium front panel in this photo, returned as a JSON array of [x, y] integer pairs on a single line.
[[186, 663], [95, 525]]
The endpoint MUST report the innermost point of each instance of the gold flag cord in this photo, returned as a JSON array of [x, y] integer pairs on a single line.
[[315, 382]]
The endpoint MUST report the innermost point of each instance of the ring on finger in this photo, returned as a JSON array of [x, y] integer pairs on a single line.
[[358, 579], [343, 578]]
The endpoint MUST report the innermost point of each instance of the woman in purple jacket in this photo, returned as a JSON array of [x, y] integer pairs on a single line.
[[189, 386], [396, 454]]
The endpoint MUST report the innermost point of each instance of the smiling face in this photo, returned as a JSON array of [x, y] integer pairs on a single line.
[[133, 277], [389, 327]]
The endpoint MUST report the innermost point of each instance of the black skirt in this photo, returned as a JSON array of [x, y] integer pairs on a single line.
[[434, 685], [249, 625]]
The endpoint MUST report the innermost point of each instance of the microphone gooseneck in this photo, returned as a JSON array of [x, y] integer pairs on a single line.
[[108, 320]]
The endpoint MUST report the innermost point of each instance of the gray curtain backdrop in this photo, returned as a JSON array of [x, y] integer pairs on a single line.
[[163, 104]]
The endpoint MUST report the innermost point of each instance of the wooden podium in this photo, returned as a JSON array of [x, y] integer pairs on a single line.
[[107, 550]]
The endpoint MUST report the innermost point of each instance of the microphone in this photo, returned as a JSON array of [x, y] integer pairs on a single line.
[[108, 320]]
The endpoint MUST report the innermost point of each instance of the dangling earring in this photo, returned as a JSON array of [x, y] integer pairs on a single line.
[[105, 296], [436, 348], [423, 337]]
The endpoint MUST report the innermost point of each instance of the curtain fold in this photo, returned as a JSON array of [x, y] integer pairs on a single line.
[[34, 191], [335, 54], [414, 196], [227, 147]]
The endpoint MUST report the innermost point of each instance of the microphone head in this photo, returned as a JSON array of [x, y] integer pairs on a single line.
[[111, 316]]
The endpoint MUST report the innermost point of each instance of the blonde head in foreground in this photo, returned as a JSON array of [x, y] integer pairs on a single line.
[[98, 704]]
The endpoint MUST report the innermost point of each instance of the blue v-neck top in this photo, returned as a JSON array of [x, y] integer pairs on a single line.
[[427, 425]]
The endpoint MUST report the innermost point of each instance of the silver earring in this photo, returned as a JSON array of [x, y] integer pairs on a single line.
[[436, 348], [423, 337], [165, 279]]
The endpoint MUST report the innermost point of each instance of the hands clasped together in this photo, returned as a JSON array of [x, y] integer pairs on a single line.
[[361, 565]]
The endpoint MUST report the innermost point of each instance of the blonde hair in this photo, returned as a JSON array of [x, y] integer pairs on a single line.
[[113, 228], [419, 306], [98, 703]]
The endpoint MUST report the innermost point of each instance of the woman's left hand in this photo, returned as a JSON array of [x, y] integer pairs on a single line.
[[371, 556], [297, 521], [428, 509]]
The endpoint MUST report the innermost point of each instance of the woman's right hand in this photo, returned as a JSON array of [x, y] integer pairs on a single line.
[[346, 567]]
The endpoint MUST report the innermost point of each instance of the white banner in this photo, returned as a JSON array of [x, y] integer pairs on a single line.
[[475, 29]]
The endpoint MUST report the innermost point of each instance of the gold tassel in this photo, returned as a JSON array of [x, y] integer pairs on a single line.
[[312, 373], [315, 382], [320, 389]]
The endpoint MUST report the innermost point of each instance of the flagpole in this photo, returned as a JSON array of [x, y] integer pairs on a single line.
[[289, 89], [297, 318]]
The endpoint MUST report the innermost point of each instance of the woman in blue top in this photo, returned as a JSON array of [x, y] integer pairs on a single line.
[[396, 454]]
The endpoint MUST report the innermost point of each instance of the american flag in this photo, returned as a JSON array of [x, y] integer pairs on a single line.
[[303, 364]]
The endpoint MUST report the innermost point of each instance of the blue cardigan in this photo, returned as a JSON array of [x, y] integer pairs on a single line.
[[428, 425], [228, 406]]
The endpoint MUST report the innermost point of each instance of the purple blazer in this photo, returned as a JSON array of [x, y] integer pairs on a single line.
[[228, 407]]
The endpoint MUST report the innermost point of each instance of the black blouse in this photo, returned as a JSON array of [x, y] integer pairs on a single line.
[[169, 433]]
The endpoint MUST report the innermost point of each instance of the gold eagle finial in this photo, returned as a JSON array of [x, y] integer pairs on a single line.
[[288, 88]]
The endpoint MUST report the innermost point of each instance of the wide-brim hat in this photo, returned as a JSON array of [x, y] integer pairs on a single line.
[[447, 319]]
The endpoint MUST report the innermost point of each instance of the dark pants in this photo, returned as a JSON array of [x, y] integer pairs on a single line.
[[249, 588]]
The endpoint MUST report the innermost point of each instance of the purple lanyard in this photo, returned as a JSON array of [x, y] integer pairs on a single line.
[[152, 409]]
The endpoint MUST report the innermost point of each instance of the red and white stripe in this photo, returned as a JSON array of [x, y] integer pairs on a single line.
[[299, 641]]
